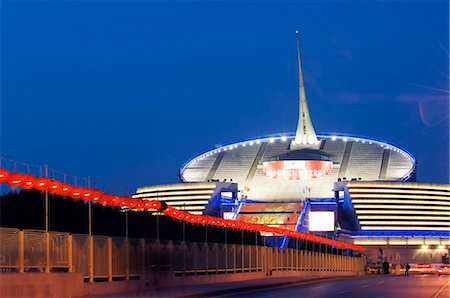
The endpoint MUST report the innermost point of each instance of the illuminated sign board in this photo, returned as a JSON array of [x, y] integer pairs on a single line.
[[321, 221], [283, 215], [228, 215], [297, 169]]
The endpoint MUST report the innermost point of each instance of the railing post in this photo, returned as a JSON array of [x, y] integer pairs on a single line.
[[226, 258], [183, 248], [142, 241], [243, 257], [127, 252], [91, 258], [322, 261], [292, 259], [217, 258], [257, 264], [21, 252], [110, 258], [47, 252], [70, 251], [195, 246], [234, 258], [207, 257], [311, 260]]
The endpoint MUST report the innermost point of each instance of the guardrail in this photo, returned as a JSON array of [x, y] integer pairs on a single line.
[[117, 258]]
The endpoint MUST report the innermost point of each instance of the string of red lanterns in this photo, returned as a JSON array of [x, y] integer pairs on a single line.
[[28, 181]]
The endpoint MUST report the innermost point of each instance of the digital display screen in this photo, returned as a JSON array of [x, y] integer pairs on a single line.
[[321, 221], [297, 169], [283, 215]]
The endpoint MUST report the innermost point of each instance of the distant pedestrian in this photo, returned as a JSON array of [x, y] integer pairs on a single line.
[[385, 267], [407, 269]]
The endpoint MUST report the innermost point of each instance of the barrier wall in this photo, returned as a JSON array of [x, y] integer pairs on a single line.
[[159, 263]]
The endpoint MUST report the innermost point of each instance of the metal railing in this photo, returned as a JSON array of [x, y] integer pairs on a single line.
[[118, 258]]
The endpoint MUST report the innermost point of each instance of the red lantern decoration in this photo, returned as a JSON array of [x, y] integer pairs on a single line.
[[106, 199], [3, 175], [66, 189], [155, 204], [86, 193], [14, 179], [41, 183], [76, 192], [28, 181], [55, 186], [96, 195]]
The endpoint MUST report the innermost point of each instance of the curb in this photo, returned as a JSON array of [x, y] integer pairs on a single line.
[[259, 287]]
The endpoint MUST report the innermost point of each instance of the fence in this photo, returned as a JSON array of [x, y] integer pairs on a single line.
[[116, 258]]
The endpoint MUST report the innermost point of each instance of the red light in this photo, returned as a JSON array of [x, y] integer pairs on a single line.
[[41, 183], [3, 175], [14, 179], [27, 181], [297, 169]]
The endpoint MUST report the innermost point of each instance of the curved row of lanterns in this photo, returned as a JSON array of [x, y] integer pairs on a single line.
[[28, 181]]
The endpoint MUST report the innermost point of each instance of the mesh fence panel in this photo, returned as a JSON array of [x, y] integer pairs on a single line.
[[80, 252], [239, 261], [202, 256], [9, 248], [231, 257], [119, 264], [177, 257], [190, 250], [212, 256], [222, 256], [246, 256], [35, 249], [59, 249], [100, 256], [135, 257]]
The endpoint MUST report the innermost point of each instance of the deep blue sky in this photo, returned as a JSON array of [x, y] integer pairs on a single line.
[[126, 91]]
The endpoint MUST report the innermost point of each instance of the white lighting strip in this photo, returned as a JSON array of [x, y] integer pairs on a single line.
[[399, 196], [401, 207], [178, 186], [399, 222], [398, 185], [370, 242], [388, 201], [187, 203], [192, 208], [173, 193], [184, 198], [397, 228], [415, 217], [400, 191], [421, 212]]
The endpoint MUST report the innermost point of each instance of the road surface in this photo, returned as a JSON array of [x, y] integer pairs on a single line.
[[372, 286]]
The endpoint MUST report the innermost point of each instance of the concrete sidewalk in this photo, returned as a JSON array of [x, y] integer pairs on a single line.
[[211, 290]]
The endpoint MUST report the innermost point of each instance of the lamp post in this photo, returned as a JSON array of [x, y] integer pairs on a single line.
[[46, 203], [89, 209]]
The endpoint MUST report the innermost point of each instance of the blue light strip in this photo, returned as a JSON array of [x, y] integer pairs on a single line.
[[290, 137], [323, 203], [400, 234], [241, 202], [298, 224]]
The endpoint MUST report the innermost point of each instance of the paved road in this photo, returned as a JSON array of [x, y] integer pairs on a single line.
[[422, 286]]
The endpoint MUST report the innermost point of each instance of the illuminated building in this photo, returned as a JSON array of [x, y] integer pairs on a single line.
[[361, 187]]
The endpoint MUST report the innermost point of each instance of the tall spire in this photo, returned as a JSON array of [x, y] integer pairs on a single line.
[[305, 131]]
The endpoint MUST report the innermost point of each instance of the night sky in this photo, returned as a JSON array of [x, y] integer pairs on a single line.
[[127, 91]]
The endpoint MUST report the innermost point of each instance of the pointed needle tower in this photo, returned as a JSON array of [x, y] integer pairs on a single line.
[[305, 134]]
